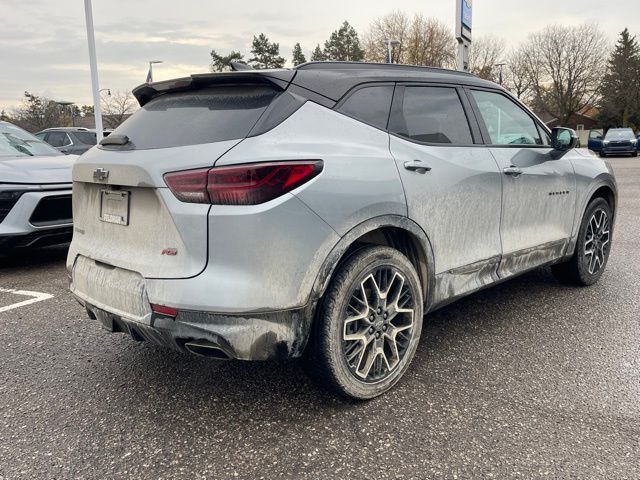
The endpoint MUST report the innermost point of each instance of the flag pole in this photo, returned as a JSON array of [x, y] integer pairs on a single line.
[[97, 111]]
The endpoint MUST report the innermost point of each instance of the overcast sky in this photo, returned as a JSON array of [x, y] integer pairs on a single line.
[[44, 48]]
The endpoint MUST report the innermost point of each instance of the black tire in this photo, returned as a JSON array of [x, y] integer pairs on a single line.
[[327, 356], [602, 154], [634, 154], [578, 271]]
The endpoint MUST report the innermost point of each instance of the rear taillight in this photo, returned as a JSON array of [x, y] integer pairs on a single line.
[[248, 184], [189, 186]]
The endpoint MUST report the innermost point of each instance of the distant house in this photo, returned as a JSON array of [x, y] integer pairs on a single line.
[[586, 119]]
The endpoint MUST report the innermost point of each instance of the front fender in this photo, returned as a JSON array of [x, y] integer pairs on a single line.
[[592, 174]]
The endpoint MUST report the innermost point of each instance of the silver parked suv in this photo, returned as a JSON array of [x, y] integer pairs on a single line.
[[323, 210], [35, 191]]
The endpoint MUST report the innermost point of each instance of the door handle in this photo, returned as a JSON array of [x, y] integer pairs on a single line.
[[513, 171], [417, 166]]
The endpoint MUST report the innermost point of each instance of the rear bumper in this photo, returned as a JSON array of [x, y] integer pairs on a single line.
[[254, 336]]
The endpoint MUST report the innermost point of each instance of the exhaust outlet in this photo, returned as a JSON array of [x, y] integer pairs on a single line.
[[206, 349]]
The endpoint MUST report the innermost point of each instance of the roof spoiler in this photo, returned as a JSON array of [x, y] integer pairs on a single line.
[[280, 78]]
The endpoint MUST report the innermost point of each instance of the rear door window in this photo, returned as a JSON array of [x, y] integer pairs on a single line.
[[432, 115], [196, 117], [370, 105]]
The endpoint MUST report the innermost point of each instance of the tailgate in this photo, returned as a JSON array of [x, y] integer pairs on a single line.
[[161, 238]]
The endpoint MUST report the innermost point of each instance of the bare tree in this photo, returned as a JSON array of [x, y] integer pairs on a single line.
[[565, 65], [423, 41], [430, 43], [517, 75], [485, 53], [117, 108], [393, 26]]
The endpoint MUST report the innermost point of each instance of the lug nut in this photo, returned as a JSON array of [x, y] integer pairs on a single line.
[[371, 330], [377, 334], [386, 314], [372, 317], [379, 310], [384, 328]]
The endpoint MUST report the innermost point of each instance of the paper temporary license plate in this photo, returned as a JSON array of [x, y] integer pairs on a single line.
[[114, 207]]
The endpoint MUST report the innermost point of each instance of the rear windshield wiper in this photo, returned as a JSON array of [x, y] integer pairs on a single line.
[[117, 139]]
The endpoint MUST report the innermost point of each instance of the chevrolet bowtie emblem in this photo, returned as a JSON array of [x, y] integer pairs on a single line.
[[100, 174]]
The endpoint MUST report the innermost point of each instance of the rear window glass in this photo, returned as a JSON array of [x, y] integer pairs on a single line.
[[202, 116]]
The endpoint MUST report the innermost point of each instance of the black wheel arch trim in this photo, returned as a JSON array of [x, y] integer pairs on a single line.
[[603, 180], [426, 272]]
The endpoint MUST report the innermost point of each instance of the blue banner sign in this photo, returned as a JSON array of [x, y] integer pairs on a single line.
[[466, 13]]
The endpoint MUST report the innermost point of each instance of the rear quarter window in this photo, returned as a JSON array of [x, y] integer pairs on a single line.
[[370, 105], [197, 117]]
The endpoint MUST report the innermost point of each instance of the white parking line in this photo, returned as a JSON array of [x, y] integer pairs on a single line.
[[36, 297]]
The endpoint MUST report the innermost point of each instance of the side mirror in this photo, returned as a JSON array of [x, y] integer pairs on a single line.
[[563, 139]]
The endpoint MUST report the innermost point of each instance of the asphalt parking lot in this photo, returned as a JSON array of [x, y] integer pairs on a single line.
[[527, 379]]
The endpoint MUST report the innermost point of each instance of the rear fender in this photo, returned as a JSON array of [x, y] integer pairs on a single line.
[[335, 257]]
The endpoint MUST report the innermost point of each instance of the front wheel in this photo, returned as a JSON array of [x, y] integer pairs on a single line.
[[369, 324], [592, 248]]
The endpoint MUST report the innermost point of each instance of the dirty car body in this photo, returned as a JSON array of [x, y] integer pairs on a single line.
[[180, 240], [35, 191]]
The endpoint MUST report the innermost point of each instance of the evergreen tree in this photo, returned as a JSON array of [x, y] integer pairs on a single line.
[[620, 89], [298, 56], [344, 45], [221, 63], [317, 55], [86, 110], [265, 53]]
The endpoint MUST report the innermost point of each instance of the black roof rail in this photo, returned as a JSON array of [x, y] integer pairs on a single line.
[[334, 65]]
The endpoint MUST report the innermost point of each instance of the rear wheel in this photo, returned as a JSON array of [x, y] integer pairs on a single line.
[[369, 324], [592, 249]]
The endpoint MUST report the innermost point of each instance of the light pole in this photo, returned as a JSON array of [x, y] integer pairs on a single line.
[[97, 111], [150, 74], [390, 44]]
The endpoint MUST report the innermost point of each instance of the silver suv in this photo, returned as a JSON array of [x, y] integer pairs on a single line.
[[35, 191], [322, 211]]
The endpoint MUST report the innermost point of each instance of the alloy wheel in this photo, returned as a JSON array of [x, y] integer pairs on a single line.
[[596, 246], [378, 325]]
